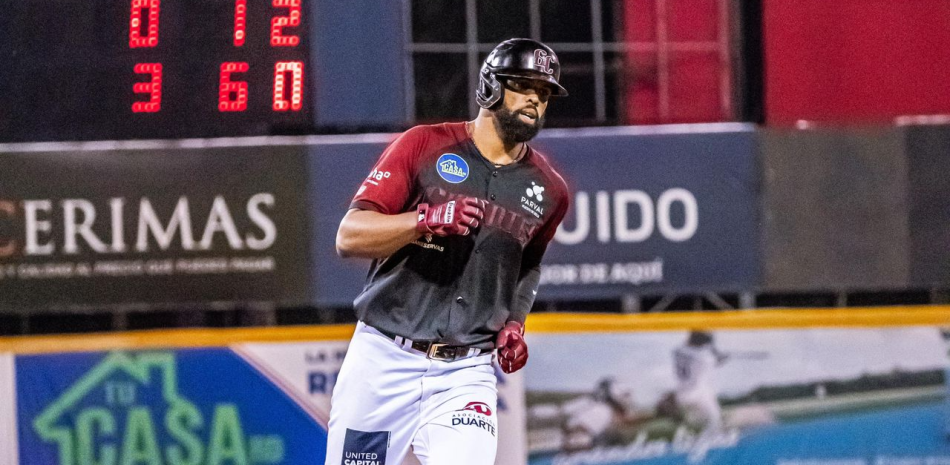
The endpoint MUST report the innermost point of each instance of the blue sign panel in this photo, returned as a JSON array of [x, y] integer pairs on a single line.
[[651, 211], [184, 406], [336, 172], [654, 212]]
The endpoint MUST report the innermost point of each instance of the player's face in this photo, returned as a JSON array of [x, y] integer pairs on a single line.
[[528, 99], [521, 114]]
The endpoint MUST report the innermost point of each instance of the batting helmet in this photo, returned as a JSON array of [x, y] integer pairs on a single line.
[[517, 58], [699, 338]]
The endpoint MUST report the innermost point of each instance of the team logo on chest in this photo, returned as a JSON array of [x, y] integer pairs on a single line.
[[452, 168], [531, 201]]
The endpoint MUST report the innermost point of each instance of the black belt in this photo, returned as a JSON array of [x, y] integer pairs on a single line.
[[436, 350]]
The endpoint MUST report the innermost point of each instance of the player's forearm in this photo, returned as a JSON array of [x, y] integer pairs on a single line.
[[369, 234], [525, 294]]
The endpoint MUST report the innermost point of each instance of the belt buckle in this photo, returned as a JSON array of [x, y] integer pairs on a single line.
[[432, 353]]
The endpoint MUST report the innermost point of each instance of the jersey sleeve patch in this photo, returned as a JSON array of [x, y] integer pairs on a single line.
[[389, 185]]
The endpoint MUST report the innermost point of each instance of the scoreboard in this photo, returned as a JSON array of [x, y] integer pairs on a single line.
[[153, 69]]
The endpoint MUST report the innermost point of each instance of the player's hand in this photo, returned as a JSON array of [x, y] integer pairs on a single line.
[[512, 349], [453, 217]]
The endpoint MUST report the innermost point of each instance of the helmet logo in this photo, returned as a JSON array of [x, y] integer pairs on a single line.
[[543, 60]]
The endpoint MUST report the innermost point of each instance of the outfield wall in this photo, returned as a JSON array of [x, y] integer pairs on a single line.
[[665, 210], [861, 386]]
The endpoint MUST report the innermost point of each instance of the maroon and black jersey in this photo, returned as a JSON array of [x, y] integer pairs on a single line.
[[459, 289]]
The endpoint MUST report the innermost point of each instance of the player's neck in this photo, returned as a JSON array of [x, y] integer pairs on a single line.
[[490, 144]]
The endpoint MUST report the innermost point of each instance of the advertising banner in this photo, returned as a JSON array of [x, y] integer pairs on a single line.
[[185, 406], [8, 431], [655, 212], [848, 387], [264, 403], [152, 227], [815, 396], [337, 167]]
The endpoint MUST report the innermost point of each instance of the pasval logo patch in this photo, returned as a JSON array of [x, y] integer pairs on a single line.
[[532, 203], [365, 448], [452, 168], [535, 191]]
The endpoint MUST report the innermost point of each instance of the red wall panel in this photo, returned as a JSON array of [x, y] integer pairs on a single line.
[[677, 69], [855, 61]]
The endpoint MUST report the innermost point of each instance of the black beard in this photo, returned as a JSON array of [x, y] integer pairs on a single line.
[[512, 130]]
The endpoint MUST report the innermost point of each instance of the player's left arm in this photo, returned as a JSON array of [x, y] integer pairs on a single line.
[[528, 282], [512, 349], [530, 276]]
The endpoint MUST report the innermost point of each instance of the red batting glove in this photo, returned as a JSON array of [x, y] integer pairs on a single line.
[[512, 349], [453, 217]]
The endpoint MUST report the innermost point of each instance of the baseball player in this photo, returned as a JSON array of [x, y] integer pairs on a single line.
[[696, 394], [456, 218], [589, 419]]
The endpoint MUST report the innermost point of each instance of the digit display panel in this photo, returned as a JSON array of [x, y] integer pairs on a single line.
[[153, 69]]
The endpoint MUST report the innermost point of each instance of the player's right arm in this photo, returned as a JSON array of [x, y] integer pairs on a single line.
[[377, 224], [370, 234]]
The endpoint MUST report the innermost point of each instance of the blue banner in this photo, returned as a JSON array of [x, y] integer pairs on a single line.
[[652, 211], [336, 171], [655, 212], [251, 403], [189, 406]]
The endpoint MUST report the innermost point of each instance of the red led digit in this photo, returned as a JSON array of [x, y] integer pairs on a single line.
[[277, 23], [288, 96], [229, 87], [152, 87], [240, 22], [150, 38]]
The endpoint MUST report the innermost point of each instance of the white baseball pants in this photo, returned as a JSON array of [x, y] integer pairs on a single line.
[[389, 398], [701, 408]]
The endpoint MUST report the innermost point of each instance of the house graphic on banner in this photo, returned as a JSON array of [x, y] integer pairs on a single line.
[[128, 409]]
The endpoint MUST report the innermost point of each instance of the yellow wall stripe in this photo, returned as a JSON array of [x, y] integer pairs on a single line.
[[155, 339], [741, 319], [537, 323]]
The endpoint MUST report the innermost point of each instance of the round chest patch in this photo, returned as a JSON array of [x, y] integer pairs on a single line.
[[452, 168]]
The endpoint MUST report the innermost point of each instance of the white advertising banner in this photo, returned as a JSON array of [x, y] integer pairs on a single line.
[[8, 436], [856, 387], [861, 396], [307, 372]]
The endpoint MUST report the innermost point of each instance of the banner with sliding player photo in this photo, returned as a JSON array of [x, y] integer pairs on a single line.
[[842, 387]]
